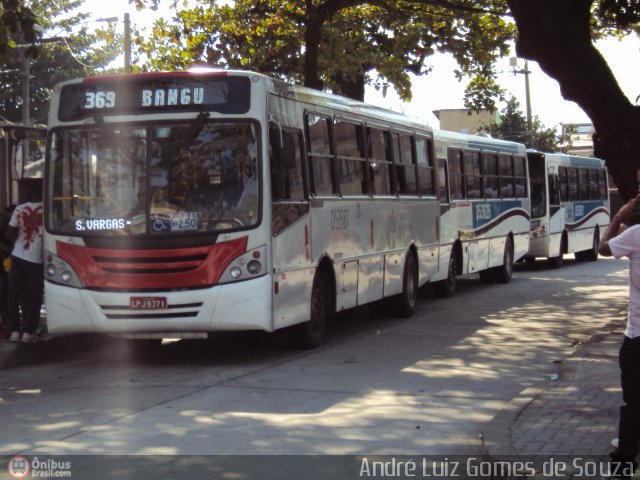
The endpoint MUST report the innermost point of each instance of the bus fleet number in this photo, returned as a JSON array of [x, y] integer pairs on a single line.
[[340, 219], [483, 211]]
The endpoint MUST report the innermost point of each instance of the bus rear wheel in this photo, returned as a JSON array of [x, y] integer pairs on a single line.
[[591, 255], [406, 301], [309, 334]]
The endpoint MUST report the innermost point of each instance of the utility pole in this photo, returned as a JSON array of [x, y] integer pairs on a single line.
[[127, 43], [26, 86], [25, 70], [525, 71], [127, 39]]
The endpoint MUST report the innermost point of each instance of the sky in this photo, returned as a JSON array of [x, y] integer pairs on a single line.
[[441, 90]]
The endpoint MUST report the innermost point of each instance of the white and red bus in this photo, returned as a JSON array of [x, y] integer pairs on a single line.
[[569, 206], [178, 204], [484, 206]]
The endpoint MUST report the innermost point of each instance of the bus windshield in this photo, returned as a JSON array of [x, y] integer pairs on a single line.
[[142, 180]]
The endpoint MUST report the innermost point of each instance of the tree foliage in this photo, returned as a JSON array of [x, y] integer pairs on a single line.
[[75, 48], [512, 125], [336, 44], [18, 25], [557, 34]]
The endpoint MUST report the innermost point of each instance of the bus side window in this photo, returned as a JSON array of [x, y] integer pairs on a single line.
[[520, 176], [351, 162], [602, 184], [572, 180], [320, 154], [505, 166], [554, 190], [404, 165], [456, 177], [443, 184], [424, 160], [472, 174], [583, 183], [490, 180], [594, 191], [378, 161], [564, 189]]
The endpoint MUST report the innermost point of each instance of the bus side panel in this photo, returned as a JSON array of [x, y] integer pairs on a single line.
[[429, 260], [370, 279], [393, 269], [556, 228]]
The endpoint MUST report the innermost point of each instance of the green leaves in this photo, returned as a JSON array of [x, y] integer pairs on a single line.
[[78, 48], [512, 125], [359, 42]]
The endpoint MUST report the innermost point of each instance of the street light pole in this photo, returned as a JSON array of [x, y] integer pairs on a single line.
[[528, 100]]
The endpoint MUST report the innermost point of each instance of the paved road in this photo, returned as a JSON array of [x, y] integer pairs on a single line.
[[380, 386]]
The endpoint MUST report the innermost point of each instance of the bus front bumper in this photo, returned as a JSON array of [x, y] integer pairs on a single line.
[[244, 305]]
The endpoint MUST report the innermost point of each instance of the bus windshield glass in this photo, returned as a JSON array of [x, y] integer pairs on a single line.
[[147, 180]]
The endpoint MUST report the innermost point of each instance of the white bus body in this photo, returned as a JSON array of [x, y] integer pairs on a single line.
[[570, 206], [178, 204], [484, 205]]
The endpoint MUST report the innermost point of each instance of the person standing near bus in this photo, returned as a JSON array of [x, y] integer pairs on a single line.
[[625, 242], [26, 276]]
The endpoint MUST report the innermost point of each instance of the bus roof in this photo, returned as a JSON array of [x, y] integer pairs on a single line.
[[278, 86]]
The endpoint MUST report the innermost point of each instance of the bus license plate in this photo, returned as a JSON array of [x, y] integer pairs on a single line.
[[148, 303]]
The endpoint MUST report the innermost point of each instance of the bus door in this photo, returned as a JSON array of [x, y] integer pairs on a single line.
[[290, 226]]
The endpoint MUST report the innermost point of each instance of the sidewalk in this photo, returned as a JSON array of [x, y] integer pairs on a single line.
[[575, 414], [18, 354]]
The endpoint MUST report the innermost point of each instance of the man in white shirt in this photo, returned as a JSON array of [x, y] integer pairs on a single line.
[[620, 243], [26, 276]]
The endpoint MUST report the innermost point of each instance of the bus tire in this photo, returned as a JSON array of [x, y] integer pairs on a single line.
[[446, 288], [406, 301], [308, 335], [592, 254], [503, 273]]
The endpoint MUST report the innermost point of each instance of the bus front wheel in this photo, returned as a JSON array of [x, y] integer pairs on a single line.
[[556, 262], [406, 301], [309, 334], [446, 288]]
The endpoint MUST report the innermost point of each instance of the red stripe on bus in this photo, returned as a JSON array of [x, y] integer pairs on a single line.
[[307, 253], [151, 269]]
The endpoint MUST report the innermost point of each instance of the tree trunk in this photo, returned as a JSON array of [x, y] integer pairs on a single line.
[[312, 39], [557, 35], [350, 85]]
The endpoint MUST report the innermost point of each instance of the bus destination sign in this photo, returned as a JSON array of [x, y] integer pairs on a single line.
[[224, 94]]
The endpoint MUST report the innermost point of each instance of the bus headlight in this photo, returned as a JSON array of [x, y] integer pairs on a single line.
[[248, 265], [59, 271], [254, 267], [235, 273]]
